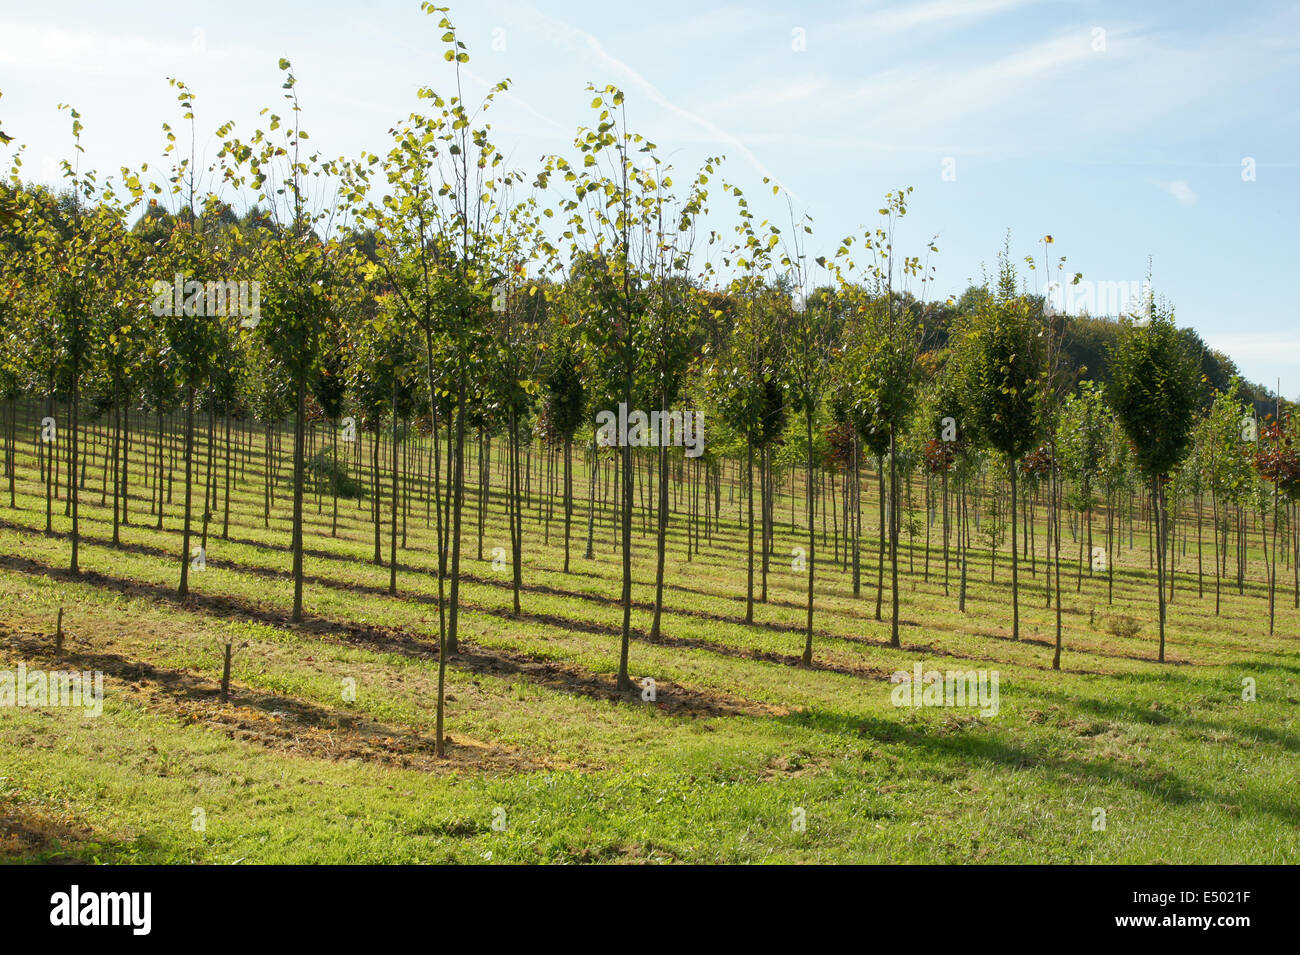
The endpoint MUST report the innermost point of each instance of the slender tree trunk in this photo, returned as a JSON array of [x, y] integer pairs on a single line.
[[225, 517], [1160, 558], [392, 530], [376, 493], [880, 549], [73, 490], [856, 504], [929, 522], [209, 487], [894, 524], [299, 438], [334, 478], [48, 464], [1056, 566], [1272, 565], [11, 451], [963, 518], [749, 579], [458, 500], [765, 514], [591, 497], [158, 471], [624, 682], [661, 541], [124, 491], [1015, 555], [812, 539], [117, 450], [944, 504], [1200, 567], [516, 515], [184, 587], [1218, 563], [1110, 547], [568, 495]]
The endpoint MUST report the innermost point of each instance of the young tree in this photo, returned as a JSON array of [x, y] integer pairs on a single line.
[[810, 332], [1115, 475], [1084, 425], [330, 391], [613, 327], [295, 263], [565, 400], [121, 264], [747, 378], [1277, 459], [1155, 393], [187, 258], [520, 305], [884, 358], [623, 220], [1000, 357], [384, 357], [1057, 378], [436, 202], [1223, 436], [64, 250], [670, 331], [20, 303]]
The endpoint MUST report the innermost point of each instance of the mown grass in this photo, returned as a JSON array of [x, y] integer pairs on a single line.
[[548, 763]]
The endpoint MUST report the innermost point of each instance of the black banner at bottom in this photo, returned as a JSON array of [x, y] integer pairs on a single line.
[[165, 905]]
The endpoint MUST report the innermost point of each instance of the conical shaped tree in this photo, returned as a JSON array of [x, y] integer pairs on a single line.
[[1000, 360], [1155, 390]]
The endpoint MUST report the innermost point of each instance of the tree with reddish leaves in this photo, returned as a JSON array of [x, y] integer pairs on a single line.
[[1277, 459]]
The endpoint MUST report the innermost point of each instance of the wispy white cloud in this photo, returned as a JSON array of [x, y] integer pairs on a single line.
[[728, 20], [962, 102], [65, 50], [1179, 189], [931, 16], [576, 40], [1066, 94], [960, 92]]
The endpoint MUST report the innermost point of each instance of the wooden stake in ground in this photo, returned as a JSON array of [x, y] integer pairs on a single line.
[[225, 676]]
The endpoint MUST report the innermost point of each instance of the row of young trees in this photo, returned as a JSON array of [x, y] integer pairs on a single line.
[[433, 283]]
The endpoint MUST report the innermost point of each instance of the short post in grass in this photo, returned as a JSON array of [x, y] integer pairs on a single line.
[[58, 635], [225, 676]]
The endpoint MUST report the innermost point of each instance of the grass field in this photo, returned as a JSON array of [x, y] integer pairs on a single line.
[[548, 763]]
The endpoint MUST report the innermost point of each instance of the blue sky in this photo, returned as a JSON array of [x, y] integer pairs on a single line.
[[1119, 128]]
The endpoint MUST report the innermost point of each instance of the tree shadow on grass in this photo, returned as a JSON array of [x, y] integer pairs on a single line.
[[27, 836], [1111, 710], [983, 745], [560, 677], [272, 720], [320, 580]]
